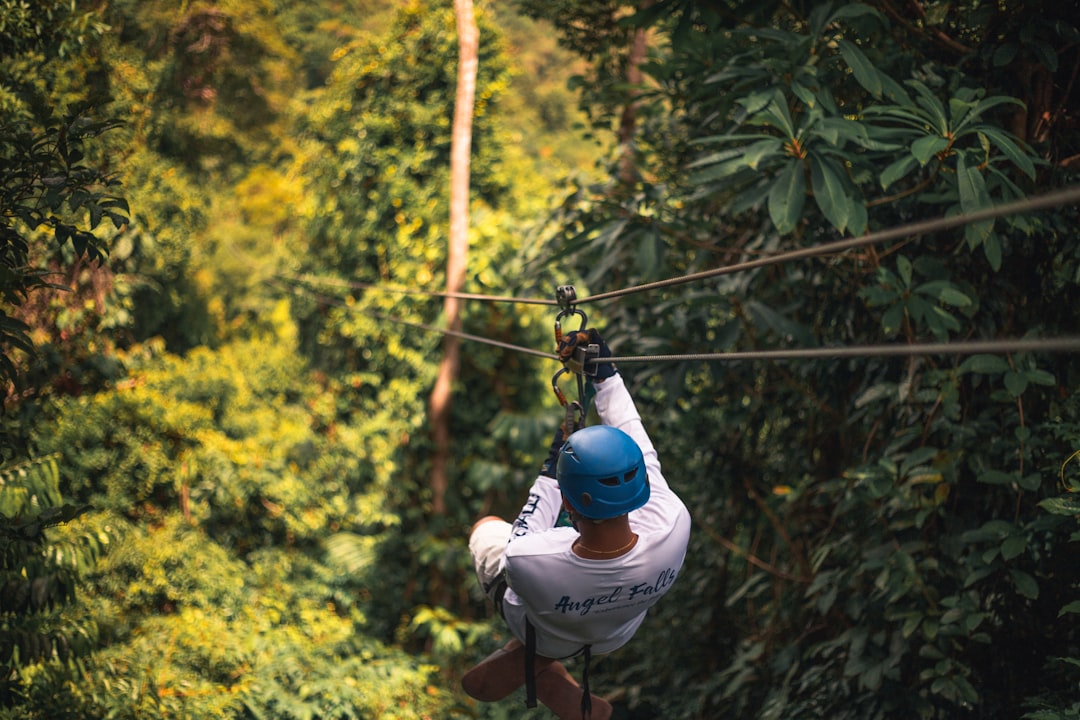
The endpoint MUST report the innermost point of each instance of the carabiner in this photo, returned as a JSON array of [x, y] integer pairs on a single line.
[[575, 411], [555, 386], [566, 296]]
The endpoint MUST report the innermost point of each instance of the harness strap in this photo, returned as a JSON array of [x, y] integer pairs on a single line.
[[586, 696], [530, 664]]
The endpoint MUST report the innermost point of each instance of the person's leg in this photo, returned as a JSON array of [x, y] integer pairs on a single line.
[[487, 543], [499, 674], [503, 671]]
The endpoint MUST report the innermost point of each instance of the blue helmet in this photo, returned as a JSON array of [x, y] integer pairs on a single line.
[[601, 471]]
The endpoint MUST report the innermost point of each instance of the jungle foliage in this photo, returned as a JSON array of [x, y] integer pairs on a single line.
[[213, 496]]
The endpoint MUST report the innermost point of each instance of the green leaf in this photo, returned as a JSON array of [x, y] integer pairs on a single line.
[[787, 197], [992, 249], [1013, 546], [1004, 54], [934, 110], [1031, 481], [892, 319], [911, 624], [1041, 377], [754, 154], [971, 186], [917, 457], [756, 102], [805, 94], [1073, 607], [996, 477], [1025, 584], [952, 296], [985, 365], [926, 148], [777, 112], [855, 10], [1015, 383], [864, 71], [1066, 505], [1010, 149], [829, 193], [897, 170], [903, 266]]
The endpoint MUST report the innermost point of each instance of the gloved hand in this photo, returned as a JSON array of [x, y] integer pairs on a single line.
[[582, 338]]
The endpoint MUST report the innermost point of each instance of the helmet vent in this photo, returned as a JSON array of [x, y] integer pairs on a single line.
[[609, 481], [627, 477]]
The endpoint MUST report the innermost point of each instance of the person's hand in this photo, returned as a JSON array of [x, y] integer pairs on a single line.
[[583, 338]]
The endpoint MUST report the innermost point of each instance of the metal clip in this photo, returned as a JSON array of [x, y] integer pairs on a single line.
[[579, 362], [566, 296]]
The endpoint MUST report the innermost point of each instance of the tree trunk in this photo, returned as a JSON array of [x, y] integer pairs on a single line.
[[628, 173], [460, 151]]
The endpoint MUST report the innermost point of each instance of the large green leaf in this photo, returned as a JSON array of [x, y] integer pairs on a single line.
[[788, 196], [829, 192], [897, 170], [762, 150], [934, 111], [1010, 148], [864, 71], [926, 148], [973, 197]]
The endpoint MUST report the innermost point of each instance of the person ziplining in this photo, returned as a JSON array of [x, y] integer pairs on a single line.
[[580, 590]]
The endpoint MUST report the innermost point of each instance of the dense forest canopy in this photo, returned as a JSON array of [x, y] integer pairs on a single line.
[[215, 495]]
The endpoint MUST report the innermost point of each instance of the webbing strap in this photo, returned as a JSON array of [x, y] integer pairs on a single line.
[[530, 664], [586, 696]]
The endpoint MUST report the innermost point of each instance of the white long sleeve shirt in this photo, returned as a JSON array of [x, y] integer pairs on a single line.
[[572, 601]]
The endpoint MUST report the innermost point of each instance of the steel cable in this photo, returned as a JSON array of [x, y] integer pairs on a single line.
[[1000, 346], [1061, 197], [961, 347], [1040, 202]]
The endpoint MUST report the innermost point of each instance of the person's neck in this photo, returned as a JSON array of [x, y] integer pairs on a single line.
[[605, 540]]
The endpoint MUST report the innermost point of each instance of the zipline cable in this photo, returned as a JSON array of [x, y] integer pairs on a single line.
[[355, 285], [327, 300], [960, 347], [466, 336], [1039, 202]]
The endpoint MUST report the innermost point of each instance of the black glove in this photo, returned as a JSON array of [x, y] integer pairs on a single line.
[[583, 338]]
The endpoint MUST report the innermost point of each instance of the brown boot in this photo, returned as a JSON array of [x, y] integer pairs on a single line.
[[560, 692]]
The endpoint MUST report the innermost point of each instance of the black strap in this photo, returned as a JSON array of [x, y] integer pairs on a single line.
[[586, 696], [530, 664]]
